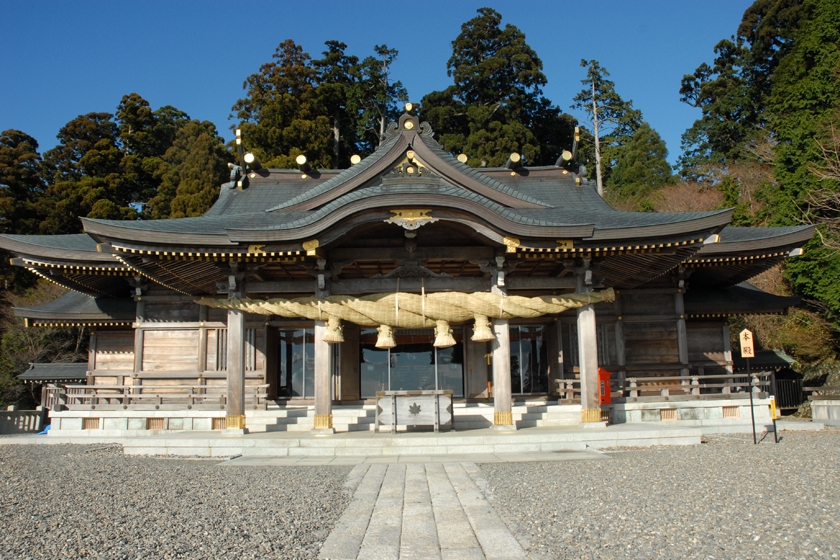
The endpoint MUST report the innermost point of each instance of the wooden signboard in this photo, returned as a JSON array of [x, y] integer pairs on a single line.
[[747, 347]]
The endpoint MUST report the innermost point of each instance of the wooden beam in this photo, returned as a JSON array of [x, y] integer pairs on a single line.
[[380, 285], [540, 283], [420, 253]]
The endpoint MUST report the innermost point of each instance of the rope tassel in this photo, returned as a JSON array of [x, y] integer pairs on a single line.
[[335, 332], [482, 331], [443, 335], [386, 337]]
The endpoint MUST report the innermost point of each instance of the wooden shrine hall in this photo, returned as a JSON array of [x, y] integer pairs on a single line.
[[314, 289]]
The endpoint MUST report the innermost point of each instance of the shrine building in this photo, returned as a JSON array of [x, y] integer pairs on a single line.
[[302, 293]]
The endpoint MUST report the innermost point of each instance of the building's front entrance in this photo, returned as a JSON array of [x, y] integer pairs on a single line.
[[414, 364]]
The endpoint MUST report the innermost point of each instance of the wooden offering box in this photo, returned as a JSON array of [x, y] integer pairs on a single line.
[[414, 408]]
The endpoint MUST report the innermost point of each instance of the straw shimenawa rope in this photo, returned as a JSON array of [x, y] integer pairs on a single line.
[[413, 311]]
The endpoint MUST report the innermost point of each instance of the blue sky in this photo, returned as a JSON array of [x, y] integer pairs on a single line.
[[63, 59]]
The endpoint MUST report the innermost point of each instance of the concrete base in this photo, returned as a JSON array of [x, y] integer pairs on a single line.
[[592, 425], [323, 431], [826, 409], [508, 428], [234, 431]]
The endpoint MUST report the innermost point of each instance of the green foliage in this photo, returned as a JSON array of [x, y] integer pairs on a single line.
[[770, 98], [495, 105], [614, 120], [20, 187], [128, 166], [190, 172], [641, 167], [326, 109], [21, 346], [375, 100]]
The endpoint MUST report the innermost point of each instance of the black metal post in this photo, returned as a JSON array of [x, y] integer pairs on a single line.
[[775, 406], [752, 409]]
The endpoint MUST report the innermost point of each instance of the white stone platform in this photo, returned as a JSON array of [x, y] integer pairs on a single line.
[[357, 447]]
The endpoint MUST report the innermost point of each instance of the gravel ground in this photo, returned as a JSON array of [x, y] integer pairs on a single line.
[[77, 501], [726, 498]]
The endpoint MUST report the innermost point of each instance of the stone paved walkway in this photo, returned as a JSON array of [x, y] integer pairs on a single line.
[[420, 511]]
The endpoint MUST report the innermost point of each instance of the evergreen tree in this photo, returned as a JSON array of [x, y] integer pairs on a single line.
[[190, 171], [642, 167], [614, 120], [280, 116], [803, 106], [197, 165], [337, 78], [769, 99], [20, 182], [20, 187], [376, 100], [495, 105], [84, 174]]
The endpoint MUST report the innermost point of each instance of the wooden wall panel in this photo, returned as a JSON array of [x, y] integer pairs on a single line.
[[114, 351], [705, 342], [170, 350], [641, 303], [173, 311], [651, 343]]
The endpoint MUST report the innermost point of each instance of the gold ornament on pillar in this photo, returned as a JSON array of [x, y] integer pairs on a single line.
[[590, 415], [443, 335], [503, 418], [482, 331], [323, 421], [235, 422], [386, 337]]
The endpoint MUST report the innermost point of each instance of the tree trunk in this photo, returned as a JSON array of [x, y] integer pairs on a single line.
[[336, 136], [598, 179]]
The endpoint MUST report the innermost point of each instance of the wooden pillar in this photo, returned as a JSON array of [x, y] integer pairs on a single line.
[[92, 353], [682, 335], [323, 381], [349, 370], [272, 373], [588, 357], [202, 338], [235, 419], [620, 352], [727, 355], [138, 334], [502, 412]]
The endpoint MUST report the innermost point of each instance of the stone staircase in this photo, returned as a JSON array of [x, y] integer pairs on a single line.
[[472, 416], [302, 419], [475, 416]]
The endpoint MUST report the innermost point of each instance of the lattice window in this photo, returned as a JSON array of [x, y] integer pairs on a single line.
[[221, 349], [219, 423], [731, 412], [668, 414], [603, 345], [155, 423], [90, 423], [250, 349]]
